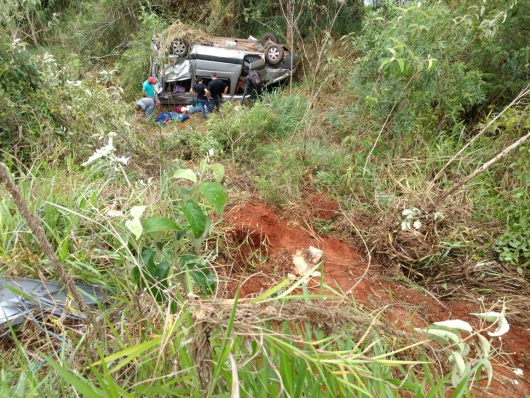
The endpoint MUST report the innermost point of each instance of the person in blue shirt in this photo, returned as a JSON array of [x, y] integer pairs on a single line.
[[166, 117], [148, 90]]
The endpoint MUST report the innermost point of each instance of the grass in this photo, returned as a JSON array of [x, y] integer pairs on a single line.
[[221, 346], [285, 342]]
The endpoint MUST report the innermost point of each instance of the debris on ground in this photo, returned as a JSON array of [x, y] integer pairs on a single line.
[[19, 297], [305, 259]]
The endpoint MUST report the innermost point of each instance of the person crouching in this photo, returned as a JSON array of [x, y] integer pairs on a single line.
[[143, 108]]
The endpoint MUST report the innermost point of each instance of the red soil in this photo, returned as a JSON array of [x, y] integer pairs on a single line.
[[259, 230]]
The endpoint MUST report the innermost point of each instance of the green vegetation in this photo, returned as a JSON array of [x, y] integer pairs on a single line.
[[392, 107]]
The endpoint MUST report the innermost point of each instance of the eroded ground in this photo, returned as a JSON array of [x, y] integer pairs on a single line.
[[266, 241]]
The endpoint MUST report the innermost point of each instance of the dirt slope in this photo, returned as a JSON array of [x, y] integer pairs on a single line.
[[267, 241]]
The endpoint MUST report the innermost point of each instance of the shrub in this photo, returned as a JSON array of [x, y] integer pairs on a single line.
[[414, 65], [135, 64], [239, 132], [20, 89]]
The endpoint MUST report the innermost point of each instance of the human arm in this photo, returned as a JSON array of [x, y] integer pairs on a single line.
[[138, 114]]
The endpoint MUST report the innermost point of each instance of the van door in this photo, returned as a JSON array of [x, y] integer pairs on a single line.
[[257, 65]]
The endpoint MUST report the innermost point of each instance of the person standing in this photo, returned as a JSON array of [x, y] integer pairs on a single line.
[[200, 88], [148, 90], [143, 108], [216, 89]]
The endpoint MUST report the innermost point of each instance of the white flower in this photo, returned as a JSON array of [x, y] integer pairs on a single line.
[[210, 152], [417, 224], [518, 372], [515, 382]]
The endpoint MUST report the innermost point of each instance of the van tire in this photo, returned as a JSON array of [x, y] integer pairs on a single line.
[[179, 47], [269, 38], [274, 54]]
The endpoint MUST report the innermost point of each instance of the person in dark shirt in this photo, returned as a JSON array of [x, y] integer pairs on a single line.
[[216, 89], [200, 88], [255, 92]]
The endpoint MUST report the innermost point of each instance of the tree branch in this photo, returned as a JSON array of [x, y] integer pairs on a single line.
[[481, 169]]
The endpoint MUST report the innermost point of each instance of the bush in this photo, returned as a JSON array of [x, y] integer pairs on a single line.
[[239, 132], [413, 67], [20, 89], [135, 63]]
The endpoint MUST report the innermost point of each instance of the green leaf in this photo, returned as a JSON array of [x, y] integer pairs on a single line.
[[156, 275], [137, 211], [162, 271], [271, 291], [384, 63], [80, 384], [200, 273], [129, 353], [218, 171], [458, 361], [187, 174], [148, 256], [135, 226], [215, 194], [159, 224], [226, 347], [485, 344], [401, 63], [195, 216], [136, 275], [489, 371]]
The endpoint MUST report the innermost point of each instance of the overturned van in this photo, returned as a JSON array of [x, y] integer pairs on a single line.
[[226, 57]]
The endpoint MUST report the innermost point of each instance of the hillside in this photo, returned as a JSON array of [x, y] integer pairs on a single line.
[[399, 149]]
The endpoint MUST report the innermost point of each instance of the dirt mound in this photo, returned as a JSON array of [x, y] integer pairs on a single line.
[[266, 242]]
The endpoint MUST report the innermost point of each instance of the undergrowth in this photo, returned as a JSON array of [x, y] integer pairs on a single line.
[[143, 222]]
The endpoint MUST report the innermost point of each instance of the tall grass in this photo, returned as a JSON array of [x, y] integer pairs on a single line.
[[214, 348], [209, 347]]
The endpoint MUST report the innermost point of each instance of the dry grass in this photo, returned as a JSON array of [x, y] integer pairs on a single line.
[[487, 281], [454, 272], [249, 318], [179, 30]]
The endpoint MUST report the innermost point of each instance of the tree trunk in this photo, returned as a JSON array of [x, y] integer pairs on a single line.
[[287, 7]]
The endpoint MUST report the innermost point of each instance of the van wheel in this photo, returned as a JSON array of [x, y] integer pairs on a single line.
[[274, 54], [179, 47], [269, 38]]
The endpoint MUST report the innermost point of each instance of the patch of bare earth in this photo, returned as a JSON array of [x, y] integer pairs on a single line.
[[269, 241]]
